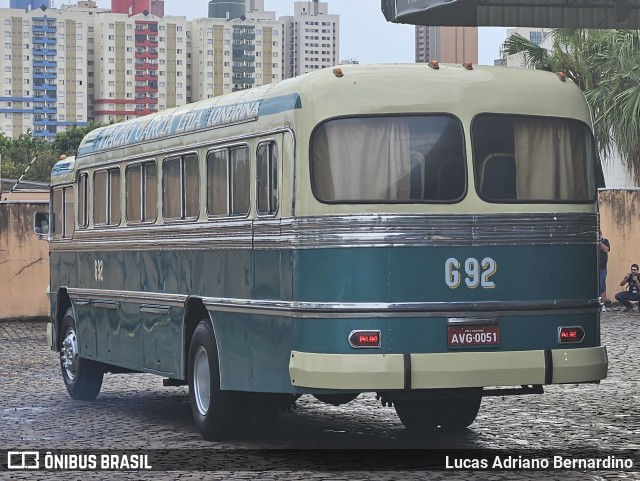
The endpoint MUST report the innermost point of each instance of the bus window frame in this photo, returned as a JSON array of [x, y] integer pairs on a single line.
[[260, 214], [591, 176], [66, 190], [85, 200], [143, 185], [465, 160], [227, 149], [108, 205], [183, 218]]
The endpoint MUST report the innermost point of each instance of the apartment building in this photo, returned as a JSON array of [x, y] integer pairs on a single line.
[[311, 38], [231, 55], [44, 59], [446, 44], [81, 63], [139, 65]]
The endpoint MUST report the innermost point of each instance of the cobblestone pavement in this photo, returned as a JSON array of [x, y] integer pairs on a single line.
[[136, 412]]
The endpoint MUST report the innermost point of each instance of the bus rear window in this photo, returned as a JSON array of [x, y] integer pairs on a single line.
[[402, 159], [532, 159]]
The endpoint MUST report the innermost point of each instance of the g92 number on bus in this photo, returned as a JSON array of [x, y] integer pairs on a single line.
[[474, 273]]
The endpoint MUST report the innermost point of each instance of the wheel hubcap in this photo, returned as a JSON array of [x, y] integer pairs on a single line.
[[202, 380], [69, 354]]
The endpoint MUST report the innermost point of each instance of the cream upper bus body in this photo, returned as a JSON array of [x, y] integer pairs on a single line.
[[302, 103]]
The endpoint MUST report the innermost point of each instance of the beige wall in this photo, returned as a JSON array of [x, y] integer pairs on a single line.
[[24, 262], [620, 223]]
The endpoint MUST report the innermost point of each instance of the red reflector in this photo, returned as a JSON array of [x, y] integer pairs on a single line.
[[358, 339], [569, 335]]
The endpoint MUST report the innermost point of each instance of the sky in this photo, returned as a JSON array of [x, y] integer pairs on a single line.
[[365, 35]]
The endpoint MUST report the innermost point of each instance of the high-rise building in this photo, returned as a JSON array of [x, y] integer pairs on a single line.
[[80, 63], [44, 59], [228, 9], [311, 38], [28, 5], [133, 7], [446, 44], [234, 55], [142, 66]]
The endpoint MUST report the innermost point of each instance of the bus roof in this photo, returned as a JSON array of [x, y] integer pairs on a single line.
[[63, 170], [358, 89]]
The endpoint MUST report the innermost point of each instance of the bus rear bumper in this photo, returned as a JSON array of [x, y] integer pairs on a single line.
[[371, 372]]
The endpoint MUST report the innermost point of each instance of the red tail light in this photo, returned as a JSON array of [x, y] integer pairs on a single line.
[[360, 339], [570, 335]]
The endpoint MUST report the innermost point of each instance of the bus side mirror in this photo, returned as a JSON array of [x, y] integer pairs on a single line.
[[41, 224]]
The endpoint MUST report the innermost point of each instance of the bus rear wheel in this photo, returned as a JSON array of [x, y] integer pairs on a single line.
[[82, 377], [218, 414], [450, 414]]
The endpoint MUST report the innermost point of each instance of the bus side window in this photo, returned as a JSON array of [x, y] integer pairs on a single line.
[[228, 181], [142, 191], [106, 197], [83, 219], [69, 223], [267, 162], [62, 207], [58, 215], [180, 187]]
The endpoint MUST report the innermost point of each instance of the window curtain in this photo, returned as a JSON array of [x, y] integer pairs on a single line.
[[550, 161], [363, 159]]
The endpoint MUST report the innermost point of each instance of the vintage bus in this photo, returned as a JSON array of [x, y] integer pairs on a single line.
[[424, 232]]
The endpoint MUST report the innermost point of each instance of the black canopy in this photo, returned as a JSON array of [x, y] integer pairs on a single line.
[[622, 14]]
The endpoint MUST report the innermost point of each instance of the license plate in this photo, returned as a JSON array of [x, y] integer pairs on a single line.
[[463, 336]]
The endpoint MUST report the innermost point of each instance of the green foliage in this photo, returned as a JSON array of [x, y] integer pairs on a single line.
[[17, 154], [605, 64]]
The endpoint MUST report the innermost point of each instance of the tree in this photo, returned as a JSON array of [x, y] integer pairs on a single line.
[[605, 64], [67, 142], [18, 154]]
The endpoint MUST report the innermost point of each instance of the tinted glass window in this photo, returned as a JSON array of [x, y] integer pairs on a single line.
[[181, 187], [533, 159], [267, 165], [142, 192], [389, 160]]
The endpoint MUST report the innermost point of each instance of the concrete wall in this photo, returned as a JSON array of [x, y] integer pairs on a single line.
[[24, 262], [620, 223]]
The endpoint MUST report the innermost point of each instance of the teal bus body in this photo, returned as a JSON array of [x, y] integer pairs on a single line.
[[283, 292]]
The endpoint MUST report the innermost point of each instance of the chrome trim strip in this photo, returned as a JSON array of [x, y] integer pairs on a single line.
[[152, 309], [434, 230], [106, 304], [471, 321], [297, 309], [418, 230], [173, 300], [82, 302]]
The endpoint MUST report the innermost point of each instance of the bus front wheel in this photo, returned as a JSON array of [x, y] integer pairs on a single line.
[[446, 413], [217, 413], [82, 377]]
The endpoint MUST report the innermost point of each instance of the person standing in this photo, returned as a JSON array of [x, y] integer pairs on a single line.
[[605, 247], [633, 290]]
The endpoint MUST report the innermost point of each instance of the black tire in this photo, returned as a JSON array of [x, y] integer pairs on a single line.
[[218, 414], [82, 377], [451, 414]]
